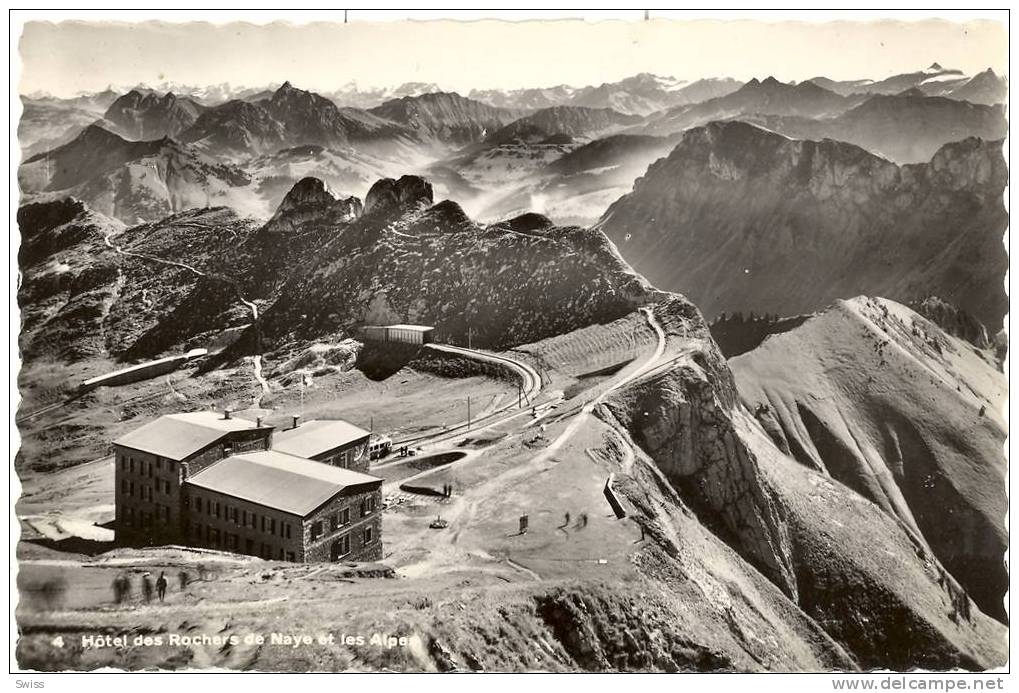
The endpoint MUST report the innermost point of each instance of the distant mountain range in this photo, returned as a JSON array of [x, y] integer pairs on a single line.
[[493, 150]]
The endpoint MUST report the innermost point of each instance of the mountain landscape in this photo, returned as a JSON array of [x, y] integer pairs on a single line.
[[715, 382], [744, 219]]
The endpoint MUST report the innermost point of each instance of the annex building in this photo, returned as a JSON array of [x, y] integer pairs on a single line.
[[213, 480]]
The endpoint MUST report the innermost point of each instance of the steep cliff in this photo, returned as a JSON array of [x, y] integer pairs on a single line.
[[856, 570]]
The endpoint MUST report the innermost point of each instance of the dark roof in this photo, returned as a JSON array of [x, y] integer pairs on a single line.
[[178, 435], [277, 480], [316, 437]]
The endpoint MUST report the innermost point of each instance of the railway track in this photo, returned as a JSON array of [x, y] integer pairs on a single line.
[[530, 388]]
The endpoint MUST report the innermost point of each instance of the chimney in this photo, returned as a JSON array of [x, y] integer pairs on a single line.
[[258, 422], [226, 413], [297, 421]]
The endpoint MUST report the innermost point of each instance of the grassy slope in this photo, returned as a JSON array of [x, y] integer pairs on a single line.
[[889, 405]]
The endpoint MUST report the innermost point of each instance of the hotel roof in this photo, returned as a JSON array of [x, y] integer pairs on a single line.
[[178, 435], [277, 480], [316, 437]]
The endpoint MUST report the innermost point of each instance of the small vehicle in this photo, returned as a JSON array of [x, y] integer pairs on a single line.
[[379, 447]]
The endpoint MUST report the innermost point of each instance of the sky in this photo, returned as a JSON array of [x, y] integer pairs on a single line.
[[71, 57]]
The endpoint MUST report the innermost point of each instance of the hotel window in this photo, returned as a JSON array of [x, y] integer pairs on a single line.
[[334, 521], [123, 486], [130, 463], [345, 516], [367, 506], [254, 520], [316, 530], [367, 535], [130, 488], [217, 510], [263, 524], [244, 518], [123, 463], [288, 531], [198, 504], [272, 525], [341, 547]]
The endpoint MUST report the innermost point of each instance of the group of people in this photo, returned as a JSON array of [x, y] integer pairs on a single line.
[[122, 586]]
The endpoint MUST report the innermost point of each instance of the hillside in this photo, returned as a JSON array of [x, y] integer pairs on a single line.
[[741, 219], [908, 127], [579, 186], [405, 259], [291, 117], [447, 117], [904, 414], [151, 116], [572, 121], [770, 96], [136, 182]]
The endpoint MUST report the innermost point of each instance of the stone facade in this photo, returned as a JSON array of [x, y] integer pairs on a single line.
[[352, 456], [217, 521], [156, 505], [148, 487], [354, 536]]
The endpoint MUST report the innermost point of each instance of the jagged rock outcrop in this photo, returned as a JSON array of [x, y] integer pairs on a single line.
[[388, 194], [683, 418], [952, 320], [311, 198], [741, 219]]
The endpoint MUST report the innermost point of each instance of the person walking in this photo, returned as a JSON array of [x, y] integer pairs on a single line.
[[121, 588], [146, 588], [161, 586]]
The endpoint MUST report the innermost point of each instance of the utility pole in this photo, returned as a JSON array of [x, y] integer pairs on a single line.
[[520, 392]]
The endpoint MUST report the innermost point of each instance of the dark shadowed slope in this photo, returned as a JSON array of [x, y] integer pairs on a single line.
[[741, 219]]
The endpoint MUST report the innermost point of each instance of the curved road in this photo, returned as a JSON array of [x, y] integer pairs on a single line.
[[581, 418], [530, 387]]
